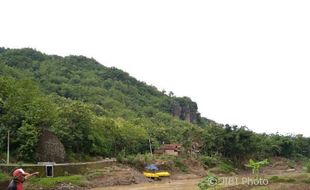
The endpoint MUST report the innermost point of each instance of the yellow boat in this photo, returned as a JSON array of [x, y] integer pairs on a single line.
[[163, 174], [150, 175]]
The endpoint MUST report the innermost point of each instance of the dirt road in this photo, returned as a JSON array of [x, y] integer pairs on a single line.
[[188, 184]]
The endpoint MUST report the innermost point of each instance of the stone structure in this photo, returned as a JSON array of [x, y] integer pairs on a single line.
[[50, 148]]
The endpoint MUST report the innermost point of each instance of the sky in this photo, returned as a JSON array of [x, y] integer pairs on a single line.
[[243, 62]]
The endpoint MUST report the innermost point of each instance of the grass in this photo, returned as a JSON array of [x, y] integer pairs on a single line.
[[307, 165], [4, 177], [282, 179], [306, 181], [179, 163], [217, 164], [138, 161], [46, 182], [223, 167], [291, 164], [226, 167], [209, 161], [295, 178], [296, 181], [93, 174]]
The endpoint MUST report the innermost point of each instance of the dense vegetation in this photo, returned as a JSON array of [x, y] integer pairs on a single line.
[[99, 111]]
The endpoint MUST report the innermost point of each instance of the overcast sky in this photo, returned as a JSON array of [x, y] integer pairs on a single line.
[[243, 62]]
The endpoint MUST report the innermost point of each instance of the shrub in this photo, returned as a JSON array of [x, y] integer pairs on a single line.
[[138, 161], [256, 165], [307, 165], [226, 167], [291, 164], [278, 179], [207, 182], [306, 181], [209, 161], [4, 177], [179, 163]]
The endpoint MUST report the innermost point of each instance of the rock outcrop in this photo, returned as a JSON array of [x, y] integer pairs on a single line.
[[184, 108], [50, 148]]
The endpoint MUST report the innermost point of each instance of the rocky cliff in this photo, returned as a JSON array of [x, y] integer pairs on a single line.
[[184, 108]]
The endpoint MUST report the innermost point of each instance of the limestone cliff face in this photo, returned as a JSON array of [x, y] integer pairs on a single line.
[[176, 109], [50, 148], [184, 108]]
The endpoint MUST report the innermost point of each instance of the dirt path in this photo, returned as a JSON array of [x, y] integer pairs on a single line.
[[185, 184]]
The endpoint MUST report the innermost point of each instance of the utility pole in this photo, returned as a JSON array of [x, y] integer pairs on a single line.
[[8, 150], [150, 146]]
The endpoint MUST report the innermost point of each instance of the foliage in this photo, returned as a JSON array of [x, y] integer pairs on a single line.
[[307, 165], [4, 177], [209, 161], [179, 163], [291, 178], [138, 161], [225, 167], [291, 164], [256, 165], [208, 182], [28, 135], [277, 179], [43, 183]]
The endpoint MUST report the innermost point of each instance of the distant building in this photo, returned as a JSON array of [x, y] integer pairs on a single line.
[[169, 149]]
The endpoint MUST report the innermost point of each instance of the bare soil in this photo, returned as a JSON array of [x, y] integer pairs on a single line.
[[281, 167], [119, 175]]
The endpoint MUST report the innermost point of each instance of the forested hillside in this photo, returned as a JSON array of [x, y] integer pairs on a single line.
[[99, 111]]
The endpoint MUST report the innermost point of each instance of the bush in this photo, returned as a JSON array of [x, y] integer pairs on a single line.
[[274, 178], [226, 167], [179, 163], [209, 161], [307, 165], [138, 161], [207, 182], [291, 164], [277, 179], [256, 166], [176, 161], [223, 167], [4, 177], [306, 181]]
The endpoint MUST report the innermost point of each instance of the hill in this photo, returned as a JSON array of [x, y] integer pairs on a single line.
[[75, 94], [100, 111]]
